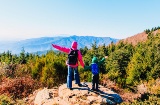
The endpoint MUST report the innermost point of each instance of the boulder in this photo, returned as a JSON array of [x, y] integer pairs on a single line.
[[77, 96]]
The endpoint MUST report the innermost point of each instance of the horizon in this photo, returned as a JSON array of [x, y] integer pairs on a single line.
[[28, 19], [16, 40]]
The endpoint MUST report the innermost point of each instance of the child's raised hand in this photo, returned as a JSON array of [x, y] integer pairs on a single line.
[[106, 57]]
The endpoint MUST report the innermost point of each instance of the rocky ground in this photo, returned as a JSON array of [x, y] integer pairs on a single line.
[[78, 96]]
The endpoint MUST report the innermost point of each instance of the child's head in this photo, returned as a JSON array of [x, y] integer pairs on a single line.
[[94, 60]]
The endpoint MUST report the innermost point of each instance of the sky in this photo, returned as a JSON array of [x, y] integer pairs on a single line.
[[25, 19]]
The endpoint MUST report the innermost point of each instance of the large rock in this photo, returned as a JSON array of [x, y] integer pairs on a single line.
[[78, 96], [45, 96]]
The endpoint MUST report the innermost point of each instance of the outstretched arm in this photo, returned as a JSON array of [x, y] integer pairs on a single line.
[[87, 67], [63, 49], [102, 60]]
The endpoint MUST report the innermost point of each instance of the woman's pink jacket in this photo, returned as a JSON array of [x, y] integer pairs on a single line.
[[67, 50]]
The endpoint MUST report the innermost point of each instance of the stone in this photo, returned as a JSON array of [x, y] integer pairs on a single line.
[[77, 96]]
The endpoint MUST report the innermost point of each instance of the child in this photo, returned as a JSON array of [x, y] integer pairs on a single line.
[[94, 67]]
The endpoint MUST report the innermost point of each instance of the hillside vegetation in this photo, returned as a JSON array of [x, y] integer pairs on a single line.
[[128, 66]]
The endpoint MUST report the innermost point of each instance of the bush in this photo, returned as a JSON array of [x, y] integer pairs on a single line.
[[148, 99], [5, 100], [18, 87]]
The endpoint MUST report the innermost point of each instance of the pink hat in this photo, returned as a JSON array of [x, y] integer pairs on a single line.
[[74, 45]]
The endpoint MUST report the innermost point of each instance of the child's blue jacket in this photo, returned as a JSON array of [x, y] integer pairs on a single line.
[[94, 61]]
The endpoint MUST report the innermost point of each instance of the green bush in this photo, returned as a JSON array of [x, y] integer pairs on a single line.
[[5, 100]]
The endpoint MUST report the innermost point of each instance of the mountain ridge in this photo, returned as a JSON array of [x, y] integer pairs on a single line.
[[44, 43]]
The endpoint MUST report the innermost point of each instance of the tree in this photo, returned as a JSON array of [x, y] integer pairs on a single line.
[[22, 59]]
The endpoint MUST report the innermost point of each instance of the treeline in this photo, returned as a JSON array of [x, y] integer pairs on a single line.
[[129, 65], [151, 30], [49, 69]]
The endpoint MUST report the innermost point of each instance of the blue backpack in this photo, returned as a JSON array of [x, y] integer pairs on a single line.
[[94, 68]]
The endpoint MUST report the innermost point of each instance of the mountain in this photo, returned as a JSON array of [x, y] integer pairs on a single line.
[[44, 43], [140, 37]]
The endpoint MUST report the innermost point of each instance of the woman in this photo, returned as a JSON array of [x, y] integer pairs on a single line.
[[72, 67]]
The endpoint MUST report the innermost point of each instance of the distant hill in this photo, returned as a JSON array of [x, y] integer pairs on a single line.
[[140, 37], [44, 43]]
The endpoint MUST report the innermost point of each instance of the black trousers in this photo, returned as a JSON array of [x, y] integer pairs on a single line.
[[95, 81]]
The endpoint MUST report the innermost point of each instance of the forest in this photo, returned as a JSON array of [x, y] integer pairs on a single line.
[[127, 66]]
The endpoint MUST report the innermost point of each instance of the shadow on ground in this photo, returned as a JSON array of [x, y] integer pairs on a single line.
[[109, 98]]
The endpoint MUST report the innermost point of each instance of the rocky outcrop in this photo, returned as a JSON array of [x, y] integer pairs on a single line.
[[46, 97], [78, 96]]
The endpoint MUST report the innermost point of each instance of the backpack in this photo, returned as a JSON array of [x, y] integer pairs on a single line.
[[94, 68], [72, 57]]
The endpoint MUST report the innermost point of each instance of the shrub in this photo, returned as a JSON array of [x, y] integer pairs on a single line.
[[18, 87], [5, 100]]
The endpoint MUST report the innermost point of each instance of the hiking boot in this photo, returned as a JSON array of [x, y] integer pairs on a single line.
[[80, 85]]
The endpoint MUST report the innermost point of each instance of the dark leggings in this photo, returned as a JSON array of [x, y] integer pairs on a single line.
[[95, 81]]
